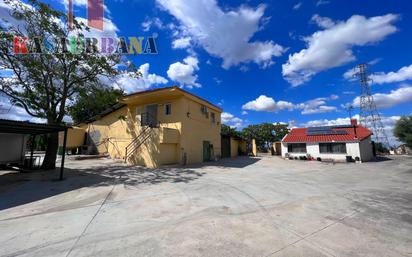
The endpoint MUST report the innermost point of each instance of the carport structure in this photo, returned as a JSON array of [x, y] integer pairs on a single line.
[[33, 130]]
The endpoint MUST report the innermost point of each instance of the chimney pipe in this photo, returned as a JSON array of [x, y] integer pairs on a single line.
[[354, 123]]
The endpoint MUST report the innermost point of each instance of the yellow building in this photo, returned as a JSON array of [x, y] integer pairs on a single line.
[[158, 127]]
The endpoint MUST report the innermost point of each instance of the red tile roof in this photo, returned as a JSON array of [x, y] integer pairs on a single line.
[[300, 135]]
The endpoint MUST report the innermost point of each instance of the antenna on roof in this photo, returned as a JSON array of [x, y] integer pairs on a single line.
[[369, 115], [350, 108]]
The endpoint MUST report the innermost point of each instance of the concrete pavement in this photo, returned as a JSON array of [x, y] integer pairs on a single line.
[[238, 207]]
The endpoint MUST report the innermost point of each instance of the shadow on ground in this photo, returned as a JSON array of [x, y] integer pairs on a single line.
[[381, 159], [22, 188], [237, 162]]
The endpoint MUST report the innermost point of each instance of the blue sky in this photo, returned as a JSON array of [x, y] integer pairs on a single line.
[[272, 61]]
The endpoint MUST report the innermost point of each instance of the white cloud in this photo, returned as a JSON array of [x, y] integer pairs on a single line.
[[183, 73], [148, 24], [375, 61], [9, 111], [332, 47], [334, 97], [350, 74], [181, 43], [319, 109], [317, 105], [7, 20], [217, 80], [322, 2], [292, 124], [110, 30], [131, 84], [403, 74], [326, 122], [231, 120], [150, 79], [314, 106], [348, 92], [75, 2], [323, 22], [297, 6], [267, 104], [395, 97], [224, 34], [245, 113]]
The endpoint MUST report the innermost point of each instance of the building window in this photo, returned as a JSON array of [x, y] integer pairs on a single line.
[[332, 148], [297, 148], [213, 117], [203, 109], [168, 109]]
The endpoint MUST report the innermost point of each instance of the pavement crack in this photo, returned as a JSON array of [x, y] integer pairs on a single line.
[[91, 220], [48, 212], [314, 233]]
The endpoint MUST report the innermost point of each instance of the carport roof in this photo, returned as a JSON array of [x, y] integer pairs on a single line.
[[29, 128]]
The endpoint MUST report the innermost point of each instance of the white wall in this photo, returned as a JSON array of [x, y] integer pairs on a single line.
[[352, 149], [12, 148], [284, 149]]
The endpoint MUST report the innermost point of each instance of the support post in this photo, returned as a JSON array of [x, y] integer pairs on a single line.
[[63, 154], [33, 140]]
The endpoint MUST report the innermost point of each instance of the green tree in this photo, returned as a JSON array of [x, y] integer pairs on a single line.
[[380, 148], [93, 102], [229, 131], [403, 130], [265, 133], [44, 84]]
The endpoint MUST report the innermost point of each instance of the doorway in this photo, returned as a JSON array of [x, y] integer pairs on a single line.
[[207, 151], [225, 140]]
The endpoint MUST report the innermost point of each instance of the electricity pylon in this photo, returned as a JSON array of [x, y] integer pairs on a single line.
[[369, 115]]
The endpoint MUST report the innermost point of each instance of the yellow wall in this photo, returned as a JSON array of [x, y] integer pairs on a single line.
[[111, 134], [254, 147], [75, 137], [237, 145], [182, 132], [196, 128], [168, 154], [277, 146]]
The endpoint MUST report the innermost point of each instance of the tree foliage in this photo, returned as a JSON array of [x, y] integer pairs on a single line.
[[44, 84], [229, 131], [265, 133], [93, 102], [403, 130], [381, 148]]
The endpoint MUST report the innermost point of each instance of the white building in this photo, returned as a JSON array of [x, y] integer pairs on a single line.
[[330, 143]]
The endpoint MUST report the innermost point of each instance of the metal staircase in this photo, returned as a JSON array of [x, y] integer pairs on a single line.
[[148, 123]]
